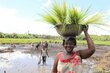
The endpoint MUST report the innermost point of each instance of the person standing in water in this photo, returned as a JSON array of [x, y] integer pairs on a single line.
[[44, 53], [70, 61]]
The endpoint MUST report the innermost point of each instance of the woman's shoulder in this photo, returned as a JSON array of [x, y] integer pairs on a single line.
[[59, 54]]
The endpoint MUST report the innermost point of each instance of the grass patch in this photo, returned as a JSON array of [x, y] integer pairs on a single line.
[[26, 41]]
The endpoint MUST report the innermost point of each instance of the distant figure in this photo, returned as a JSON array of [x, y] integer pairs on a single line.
[[37, 45], [44, 54], [12, 46]]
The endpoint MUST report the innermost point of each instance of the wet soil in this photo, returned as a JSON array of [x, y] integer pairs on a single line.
[[24, 59]]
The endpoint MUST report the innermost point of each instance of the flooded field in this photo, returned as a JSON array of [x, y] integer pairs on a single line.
[[24, 59], [18, 62]]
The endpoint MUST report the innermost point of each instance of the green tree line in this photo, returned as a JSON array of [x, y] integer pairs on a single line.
[[33, 36], [27, 36]]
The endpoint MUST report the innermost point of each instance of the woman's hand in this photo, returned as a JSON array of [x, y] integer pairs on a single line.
[[85, 28]]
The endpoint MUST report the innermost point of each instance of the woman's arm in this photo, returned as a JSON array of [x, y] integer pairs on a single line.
[[54, 69], [91, 48]]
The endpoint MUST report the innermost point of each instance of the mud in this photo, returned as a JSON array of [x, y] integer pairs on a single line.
[[24, 59]]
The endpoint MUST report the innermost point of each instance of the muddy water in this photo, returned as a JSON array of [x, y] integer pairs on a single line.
[[18, 62], [25, 60]]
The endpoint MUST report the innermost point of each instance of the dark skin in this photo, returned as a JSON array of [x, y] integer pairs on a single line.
[[91, 48], [82, 53]]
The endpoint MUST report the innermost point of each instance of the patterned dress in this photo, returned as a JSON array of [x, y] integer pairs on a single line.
[[70, 65]]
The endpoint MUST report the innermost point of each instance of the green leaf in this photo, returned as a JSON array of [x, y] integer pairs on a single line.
[[95, 19]]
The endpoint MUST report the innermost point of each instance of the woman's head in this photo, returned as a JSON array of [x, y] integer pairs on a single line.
[[73, 39], [69, 43]]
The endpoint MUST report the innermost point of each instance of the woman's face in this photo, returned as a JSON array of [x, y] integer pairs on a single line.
[[69, 46]]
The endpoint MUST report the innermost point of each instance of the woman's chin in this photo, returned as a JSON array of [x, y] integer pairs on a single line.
[[69, 51]]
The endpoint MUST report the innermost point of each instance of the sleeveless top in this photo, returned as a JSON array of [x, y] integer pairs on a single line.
[[70, 65], [44, 52]]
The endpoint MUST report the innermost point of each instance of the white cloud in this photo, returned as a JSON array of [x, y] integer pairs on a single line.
[[108, 12], [3, 11], [48, 3], [11, 23]]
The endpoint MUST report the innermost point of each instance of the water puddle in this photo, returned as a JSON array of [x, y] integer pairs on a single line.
[[18, 62]]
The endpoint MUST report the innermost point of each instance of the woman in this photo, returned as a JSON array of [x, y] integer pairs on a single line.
[[70, 61]]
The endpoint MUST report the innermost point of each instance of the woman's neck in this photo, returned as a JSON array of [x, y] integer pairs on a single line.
[[69, 53]]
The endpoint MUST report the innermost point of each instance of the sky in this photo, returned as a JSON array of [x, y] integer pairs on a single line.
[[22, 16]]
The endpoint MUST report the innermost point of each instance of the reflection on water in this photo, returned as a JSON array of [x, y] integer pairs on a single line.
[[18, 62]]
